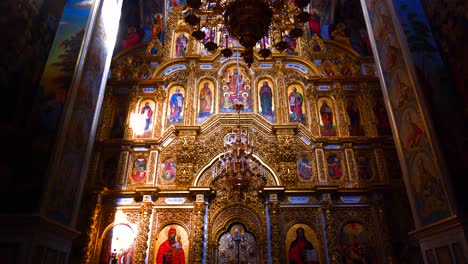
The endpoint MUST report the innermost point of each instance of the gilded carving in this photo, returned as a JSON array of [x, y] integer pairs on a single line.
[[340, 110], [123, 161], [143, 229], [367, 102]]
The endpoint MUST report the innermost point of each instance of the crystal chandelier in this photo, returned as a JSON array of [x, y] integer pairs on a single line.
[[248, 21], [237, 170]]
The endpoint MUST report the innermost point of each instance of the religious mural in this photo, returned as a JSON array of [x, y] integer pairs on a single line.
[[302, 245], [266, 99], [118, 245], [235, 88], [335, 166], [142, 121], [366, 165], [181, 40], [354, 117], [327, 117], [175, 105], [237, 246], [168, 169], [172, 245], [138, 172], [205, 100], [297, 106], [356, 245]]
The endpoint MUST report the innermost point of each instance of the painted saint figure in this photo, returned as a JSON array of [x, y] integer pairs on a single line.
[[301, 250], [147, 113], [205, 101], [326, 114], [266, 96], [181, 45], [354, 124], [295, 104], [177, 105], [171, 251]]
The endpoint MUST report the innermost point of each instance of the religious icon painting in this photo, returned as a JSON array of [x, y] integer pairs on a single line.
[[297, 107], [265, 97], [429, 195], [180, 44], [302, 245], [412, 130], [335, 166], [118, 245], [138, 171], [235, 88], [237, 245], [366, 165], [168, 169], [356, 245], [175, 105], [205, 100], [172, 245], [142, 121], [381, 117], [304, 168], [354, 117], [327, 117]]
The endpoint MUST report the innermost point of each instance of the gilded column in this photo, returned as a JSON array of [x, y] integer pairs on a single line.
[[351, 164], [90, 251], [190, 90], [367, 102], [283, 112], [106, 115], [313, 110], [332, 247], [343, 130], [122, 169], [196, 252], [275, 232], [141, 241], [380, 161], [132, 106], [321, 164]]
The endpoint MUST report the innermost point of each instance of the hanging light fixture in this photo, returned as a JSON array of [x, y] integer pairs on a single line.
[[237, 170], [249, 22]]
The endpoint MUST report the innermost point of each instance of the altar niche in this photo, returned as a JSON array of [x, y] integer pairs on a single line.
[[237, 245]]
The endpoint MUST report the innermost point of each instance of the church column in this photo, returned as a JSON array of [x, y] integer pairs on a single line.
[[321, 164], [426, 175], [330, 232], [190, 91], [351, 164], [196, 251], [341, 116], [275, 223], [123, 165], [132, 108], [141, 241], [283, 107], [105, 121], [312, 94]]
